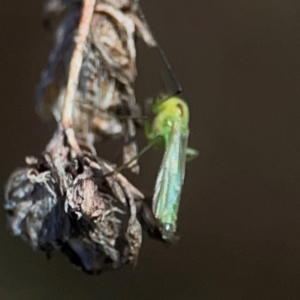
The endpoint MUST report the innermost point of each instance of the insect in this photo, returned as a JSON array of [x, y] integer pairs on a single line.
[[169, 131]]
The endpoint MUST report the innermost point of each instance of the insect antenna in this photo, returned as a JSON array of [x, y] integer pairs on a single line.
[[178, 87]]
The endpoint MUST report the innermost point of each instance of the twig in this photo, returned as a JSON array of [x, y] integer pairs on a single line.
[[76, 62]]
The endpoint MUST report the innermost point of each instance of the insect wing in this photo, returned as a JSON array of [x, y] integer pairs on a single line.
[[170, 178]]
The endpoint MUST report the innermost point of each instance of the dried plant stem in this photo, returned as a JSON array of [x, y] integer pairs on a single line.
[[68, 198], [76, 61]]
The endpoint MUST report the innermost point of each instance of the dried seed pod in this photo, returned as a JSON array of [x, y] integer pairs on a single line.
[[63, 200]]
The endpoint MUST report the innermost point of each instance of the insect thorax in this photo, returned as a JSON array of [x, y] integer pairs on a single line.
[[173, 108], [170, 113]]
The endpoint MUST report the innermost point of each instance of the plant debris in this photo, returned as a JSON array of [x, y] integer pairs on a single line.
[[68, 198], [62, 201], [104, 104]]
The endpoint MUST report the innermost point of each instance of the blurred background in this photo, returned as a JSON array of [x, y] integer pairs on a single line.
[[239, 223]]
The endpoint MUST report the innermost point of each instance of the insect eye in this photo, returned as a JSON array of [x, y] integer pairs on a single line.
[[180, 108]]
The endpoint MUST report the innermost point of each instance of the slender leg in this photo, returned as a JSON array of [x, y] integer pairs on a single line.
[[143, 151], [148, 130], [191, 154]]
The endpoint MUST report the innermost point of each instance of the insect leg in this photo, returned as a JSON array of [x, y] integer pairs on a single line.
[[191, 154], [143, 151]]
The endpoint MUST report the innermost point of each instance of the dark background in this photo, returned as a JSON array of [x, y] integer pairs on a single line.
[[239, 64]]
